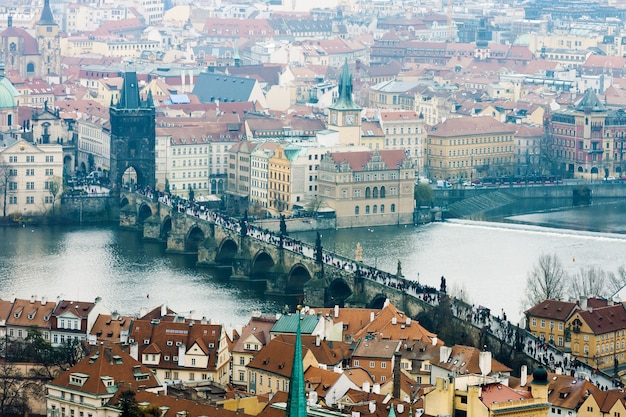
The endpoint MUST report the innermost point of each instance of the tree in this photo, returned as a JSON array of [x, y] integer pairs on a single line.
[[13, 401], [128, 404], [314, 206], [588, 282], [423, 194], [547, 280], [55, 188], [5, 179]]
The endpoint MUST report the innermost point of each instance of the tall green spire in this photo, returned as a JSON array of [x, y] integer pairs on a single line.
[[392, 413], [344, 100], [296, 403]]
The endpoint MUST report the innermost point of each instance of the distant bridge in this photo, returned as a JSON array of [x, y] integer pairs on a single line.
[[288, 270]]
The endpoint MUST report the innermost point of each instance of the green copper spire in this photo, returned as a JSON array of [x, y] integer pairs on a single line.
[[296, 403], [344, 100], [392, 413]]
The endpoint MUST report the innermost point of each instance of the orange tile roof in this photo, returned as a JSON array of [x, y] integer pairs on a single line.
[[27, 313], [498, 393], [107, 361], [357, 160], [553, 309], [276, 357], [465, 126]]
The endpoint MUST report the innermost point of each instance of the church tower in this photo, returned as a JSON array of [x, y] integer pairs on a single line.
[[133, 136], [48, 43], [344, 114], [296, 400]]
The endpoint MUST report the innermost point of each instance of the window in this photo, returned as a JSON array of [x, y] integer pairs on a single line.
[[393, 208], [383, 365], [30, 185], [534, 321], [356, 362], [30, 200], [543, 323], [356, 210], [49, 158], [30, 172], [30, 158], [372, 364]]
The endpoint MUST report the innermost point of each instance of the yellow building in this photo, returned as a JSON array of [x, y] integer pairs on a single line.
[[599, 335], [547, 319], [279, 180], [470, 147], [483, 396]]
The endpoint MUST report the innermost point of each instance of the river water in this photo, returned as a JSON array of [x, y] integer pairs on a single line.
[[485, 260]]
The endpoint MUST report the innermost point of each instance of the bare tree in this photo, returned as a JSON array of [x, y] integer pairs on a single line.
[[5, 179], [589, 282], [547, 280], [12, 393], [55, 188], [616, 281], [315, 205]]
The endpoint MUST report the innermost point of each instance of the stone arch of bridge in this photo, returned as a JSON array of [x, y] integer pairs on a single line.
[[144, 213], [378, 301], [194, 236], [124, 202], [166, 228], [337, 293], [261, 264], [298, 276], [227, 250]]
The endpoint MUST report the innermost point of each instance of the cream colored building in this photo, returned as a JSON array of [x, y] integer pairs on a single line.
[[467, 148], [368, 188], [31, 171], [259, 162], [405, 130], [123, 48]]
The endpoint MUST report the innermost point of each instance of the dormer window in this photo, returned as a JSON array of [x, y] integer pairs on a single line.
[[169, 343], [175, 358], [107, 381], [78, 379], [146, 341]]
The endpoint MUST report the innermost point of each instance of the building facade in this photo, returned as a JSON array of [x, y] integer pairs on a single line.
[[368, 188]]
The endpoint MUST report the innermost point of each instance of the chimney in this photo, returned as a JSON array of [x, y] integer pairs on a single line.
[[397, 357], [32, 299], [408, 321], [372, 407], [394, 320], [523, 375], [163, 310], [366, 386], [376, 389], [484, 363], [318, 340], [43, 301], [336, 311], [444, 353], [372, 316], [386, 303]]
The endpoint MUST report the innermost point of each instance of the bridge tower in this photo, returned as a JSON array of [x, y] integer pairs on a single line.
[[133, 137]]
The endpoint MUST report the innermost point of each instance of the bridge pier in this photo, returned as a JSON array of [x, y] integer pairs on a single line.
[[152, 229]]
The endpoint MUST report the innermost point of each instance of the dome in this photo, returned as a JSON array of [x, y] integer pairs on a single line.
[[540, 376], [7, 94]]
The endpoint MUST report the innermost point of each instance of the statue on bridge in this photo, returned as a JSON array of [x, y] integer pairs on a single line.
[[318, 249], [243, 224]]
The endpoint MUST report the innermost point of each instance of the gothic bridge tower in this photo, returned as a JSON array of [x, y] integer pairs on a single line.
[[133, 137]]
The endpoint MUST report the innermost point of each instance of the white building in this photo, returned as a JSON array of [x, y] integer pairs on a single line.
[[29, 173]]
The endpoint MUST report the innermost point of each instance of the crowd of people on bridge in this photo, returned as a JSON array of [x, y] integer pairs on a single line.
[[478, 316]]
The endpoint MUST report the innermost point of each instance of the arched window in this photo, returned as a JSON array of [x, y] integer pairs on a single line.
[[367, 209], [393, 208], [368, 192], [375, 209], [356, 210], [382, 192], [30, 67], [382, 208], [375, 192]]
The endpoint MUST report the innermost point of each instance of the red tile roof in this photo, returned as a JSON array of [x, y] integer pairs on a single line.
[[553, 309], [107, 361], [29, 42], [465, 126], [358, 160]]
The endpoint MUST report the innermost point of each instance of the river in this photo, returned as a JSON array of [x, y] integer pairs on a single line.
[[485, 260]]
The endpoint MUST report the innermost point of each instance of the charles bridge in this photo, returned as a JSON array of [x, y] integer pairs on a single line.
[[294, 271], [286, 272]]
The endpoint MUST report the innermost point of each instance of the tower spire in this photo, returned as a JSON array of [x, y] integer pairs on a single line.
[[46, 15], [296, 402]]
